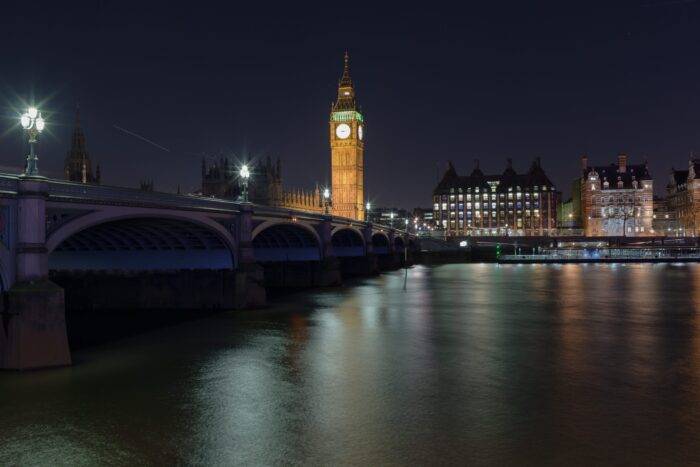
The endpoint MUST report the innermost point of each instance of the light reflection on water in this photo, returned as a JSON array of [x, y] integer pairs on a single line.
[[474, 363]]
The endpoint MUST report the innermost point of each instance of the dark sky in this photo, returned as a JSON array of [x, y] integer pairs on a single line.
[[492, 80]]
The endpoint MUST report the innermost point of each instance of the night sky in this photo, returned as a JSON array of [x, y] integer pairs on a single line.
[[490, 81]]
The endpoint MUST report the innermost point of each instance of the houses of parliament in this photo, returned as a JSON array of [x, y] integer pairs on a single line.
[[220, 176], [346, 133]]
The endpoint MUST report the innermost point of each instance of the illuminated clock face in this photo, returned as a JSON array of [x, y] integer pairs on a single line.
[[342, 131], [360, 132]]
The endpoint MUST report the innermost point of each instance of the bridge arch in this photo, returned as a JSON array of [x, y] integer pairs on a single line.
[[380, 243], [285, 241], [141, 241], [399, 243], [348, 241]]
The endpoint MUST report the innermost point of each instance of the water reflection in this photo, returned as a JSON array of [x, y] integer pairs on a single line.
[[475, 363]]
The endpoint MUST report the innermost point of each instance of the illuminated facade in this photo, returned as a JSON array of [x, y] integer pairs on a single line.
[[347, 133], [505, 204], [616, 199], [684, 199]]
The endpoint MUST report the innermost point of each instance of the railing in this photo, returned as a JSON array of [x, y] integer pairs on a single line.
[[119, 196], [608, 254]]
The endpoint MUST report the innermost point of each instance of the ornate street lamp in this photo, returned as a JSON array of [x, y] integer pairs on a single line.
[[326, 199], [244, 175], [33, 124]]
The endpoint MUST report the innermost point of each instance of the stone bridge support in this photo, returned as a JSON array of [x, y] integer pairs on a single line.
[[329, 271], [250, 280], [36, 331]]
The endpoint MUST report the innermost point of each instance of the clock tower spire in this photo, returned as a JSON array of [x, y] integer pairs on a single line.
[[347, 150]]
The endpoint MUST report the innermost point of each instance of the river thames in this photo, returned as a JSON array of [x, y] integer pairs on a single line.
[[473, 363]]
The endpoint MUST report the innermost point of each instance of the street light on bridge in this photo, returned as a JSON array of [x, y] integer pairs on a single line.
[[244, 175], [33, 124]]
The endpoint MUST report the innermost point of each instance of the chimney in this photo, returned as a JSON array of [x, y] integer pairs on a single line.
[[584, 162], [622, 162]]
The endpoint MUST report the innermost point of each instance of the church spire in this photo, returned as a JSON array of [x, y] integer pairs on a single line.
[[345, 80], [78, 167], [346, 92]]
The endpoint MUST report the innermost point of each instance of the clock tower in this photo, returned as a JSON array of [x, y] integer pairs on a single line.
[[347, 133]]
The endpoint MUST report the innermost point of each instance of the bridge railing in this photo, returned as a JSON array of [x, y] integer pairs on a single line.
[[131, 196]]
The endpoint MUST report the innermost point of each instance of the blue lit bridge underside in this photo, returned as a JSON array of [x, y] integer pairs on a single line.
[[142, 244]]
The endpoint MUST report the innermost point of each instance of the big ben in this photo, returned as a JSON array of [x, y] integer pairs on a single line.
[[347, 132]]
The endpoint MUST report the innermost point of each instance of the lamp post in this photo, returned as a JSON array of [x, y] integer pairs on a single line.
[[33, 124], [368, 207], [326, 199], [244, 175], [391, 216]]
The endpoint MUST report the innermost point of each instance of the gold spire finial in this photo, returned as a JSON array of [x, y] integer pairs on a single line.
[[345, 80]]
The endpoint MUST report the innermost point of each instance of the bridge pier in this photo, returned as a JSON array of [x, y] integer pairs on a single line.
[[36, 330], [250, 276], [328, 273]]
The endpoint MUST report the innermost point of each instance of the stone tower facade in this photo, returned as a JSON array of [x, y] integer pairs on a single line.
[[347, 133], [78, 166]]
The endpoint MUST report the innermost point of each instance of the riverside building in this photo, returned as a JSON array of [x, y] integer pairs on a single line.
[[505, 204], [616, 200]]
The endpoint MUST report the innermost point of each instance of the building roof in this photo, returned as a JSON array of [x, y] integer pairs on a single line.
[[612, 174], [535, 176]]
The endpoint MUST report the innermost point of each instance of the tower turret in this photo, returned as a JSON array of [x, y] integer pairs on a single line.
[[78, 166], [347, 150]]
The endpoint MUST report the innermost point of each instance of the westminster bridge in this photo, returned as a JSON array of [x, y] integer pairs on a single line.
[[93, 247]]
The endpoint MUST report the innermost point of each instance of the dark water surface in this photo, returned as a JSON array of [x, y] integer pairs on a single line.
[[478, 364]]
